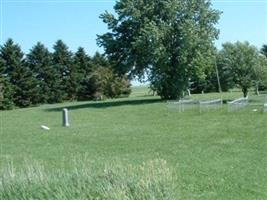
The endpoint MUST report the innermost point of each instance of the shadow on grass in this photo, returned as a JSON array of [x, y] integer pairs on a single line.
[[106, 104]]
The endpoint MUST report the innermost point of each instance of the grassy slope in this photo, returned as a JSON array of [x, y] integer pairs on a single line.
[[216, 155]]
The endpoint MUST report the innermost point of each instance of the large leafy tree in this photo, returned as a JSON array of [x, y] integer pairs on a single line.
[[239, 61], [260, 73], [203, 74], [170, 41], [225, 72]]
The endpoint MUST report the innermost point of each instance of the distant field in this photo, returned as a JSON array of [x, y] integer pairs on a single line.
[[216, 155], [140, 91]]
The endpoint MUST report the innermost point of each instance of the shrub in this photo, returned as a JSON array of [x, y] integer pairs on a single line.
[[104, 82]]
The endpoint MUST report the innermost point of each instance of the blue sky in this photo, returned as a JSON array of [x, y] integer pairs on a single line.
[[77, 22]]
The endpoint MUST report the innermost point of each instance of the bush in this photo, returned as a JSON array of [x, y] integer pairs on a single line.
[[103, 82], [151, 180]]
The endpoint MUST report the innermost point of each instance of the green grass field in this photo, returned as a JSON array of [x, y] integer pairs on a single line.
[[215, 155]]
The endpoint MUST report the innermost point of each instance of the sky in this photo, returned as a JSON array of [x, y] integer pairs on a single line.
[[77, 22]]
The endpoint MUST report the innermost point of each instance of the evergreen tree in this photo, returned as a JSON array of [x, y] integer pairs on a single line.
[[81, 69], [19, 75], [62, 61], [27, 90], [6, 89], [99, 60], [39, 62]]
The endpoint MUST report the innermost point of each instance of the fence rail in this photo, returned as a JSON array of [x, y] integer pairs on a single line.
[[182, 105], [237, 104], [206, 106]]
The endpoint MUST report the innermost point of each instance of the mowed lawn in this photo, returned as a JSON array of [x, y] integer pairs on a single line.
[[216, 155]]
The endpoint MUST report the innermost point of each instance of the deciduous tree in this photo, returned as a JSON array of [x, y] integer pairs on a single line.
[[239, 60], [264, 50], [171, 41]]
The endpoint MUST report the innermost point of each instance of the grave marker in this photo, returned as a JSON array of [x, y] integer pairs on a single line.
[[65, 117]]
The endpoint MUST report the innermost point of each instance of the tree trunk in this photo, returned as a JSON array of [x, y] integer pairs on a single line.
[[245, 92], [189, 92], [257, 89]]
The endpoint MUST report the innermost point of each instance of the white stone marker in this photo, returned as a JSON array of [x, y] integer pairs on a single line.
[[65, 117], [45, 127]]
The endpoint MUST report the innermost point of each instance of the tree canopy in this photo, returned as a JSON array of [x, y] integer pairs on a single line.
[[238, 63], [171, 41], [44, 77], [264, 50]]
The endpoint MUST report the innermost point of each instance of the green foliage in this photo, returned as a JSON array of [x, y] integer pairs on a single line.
[[62, 62], [264, 50], [44, 77], [80, 69], [91, 75], [109, 84], [237, 62], [225, 72], [39, 62], [100, 81], [151, 180], [98, 60], [6, 89], [204, 75], [26, 91], [23, 83], [260, 74], [172, 41]]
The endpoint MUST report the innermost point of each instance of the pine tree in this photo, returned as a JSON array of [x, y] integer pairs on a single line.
[[21, 78], [80, 70], [62, 61], [99, 60], [6, 89], [39, 62]]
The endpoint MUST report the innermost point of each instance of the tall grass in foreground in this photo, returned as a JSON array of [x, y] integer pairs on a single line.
[[151, 180]]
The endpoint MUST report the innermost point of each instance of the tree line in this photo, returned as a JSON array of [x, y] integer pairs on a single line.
[[239, 65], [43, 77], [169, 43], [242, 65]]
